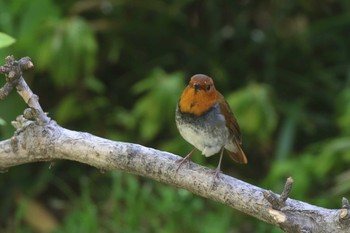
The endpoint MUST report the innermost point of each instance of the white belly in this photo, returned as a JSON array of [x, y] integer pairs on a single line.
[[204, 141]]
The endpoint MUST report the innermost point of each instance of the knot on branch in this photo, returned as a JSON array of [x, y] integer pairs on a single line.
[[21, 123]]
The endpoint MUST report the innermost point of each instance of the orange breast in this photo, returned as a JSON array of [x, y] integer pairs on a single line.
[[197, 102]]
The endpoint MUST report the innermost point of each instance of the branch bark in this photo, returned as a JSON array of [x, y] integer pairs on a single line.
[[38, 138]]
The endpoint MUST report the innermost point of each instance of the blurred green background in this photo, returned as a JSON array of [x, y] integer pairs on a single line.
[[117, 68]]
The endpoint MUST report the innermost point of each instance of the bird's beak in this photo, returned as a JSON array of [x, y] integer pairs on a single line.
[[196, 86]]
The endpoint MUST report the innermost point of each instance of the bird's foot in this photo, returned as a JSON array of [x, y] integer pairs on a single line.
[[180, 162], [186, 159], [216, 176]]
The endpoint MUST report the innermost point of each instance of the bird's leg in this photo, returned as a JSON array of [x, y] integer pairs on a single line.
[[186, 159], [218, 168]]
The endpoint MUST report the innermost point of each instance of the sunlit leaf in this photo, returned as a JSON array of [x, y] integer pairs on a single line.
[[6, 40]]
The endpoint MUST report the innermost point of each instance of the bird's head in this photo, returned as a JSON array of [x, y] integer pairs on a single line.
[[199, 96]]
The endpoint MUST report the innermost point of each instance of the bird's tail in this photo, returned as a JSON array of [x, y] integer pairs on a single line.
[[239, 155]]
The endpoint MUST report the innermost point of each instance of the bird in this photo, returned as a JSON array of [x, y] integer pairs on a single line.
[[206, 121]]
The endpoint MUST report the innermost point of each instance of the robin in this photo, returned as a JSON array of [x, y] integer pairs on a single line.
[[205, 120]]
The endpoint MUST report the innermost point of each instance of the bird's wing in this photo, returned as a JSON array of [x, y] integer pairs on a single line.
[[231, 122]]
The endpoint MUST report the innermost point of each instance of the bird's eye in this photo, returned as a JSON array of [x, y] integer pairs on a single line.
[[208, 87]]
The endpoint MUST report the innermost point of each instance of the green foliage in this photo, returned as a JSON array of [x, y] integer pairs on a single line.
[[71, 46], [132, 204], [117, 69], [343, 107], [253, 106], [153, 111]]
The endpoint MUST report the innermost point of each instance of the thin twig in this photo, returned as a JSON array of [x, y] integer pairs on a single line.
[[278, 202], [13, 73]]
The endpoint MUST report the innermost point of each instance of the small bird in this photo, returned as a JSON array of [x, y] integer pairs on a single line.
[[205, 120]]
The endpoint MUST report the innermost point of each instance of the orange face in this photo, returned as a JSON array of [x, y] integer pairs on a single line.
[[199, 96]]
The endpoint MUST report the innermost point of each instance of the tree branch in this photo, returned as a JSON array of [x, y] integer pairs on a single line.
[[38, 138]]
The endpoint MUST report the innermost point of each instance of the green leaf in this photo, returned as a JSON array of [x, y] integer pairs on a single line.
[[6, 40]]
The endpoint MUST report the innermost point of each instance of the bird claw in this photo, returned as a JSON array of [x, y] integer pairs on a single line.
[[216, 175]]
